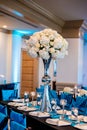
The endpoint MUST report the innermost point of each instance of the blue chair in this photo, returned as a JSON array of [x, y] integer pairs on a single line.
[[81, 103], [3, 109], [8, 95], [17, 121], [3, 122], [3, 117], [16, 126]]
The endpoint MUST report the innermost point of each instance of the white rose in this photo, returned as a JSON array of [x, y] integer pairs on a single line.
[[43, 54], [32, 40], [51, 43], [44, 40], [58, 54], [32, 52], [58, 43], [37, 45], [52, 50], [51, 37]]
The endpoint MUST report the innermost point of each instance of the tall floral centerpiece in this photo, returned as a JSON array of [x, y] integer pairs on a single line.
[[47, 44]]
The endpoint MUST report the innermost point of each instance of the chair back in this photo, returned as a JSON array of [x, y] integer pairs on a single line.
[[8, 95], [18, 117], [3, 109]]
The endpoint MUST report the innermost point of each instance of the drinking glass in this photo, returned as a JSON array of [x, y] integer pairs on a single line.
[[54, 104], [26, 97], [75, 113], [63, 102], [33, 93], [39, 98]]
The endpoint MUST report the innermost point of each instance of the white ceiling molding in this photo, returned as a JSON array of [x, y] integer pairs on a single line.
[[37, 8]]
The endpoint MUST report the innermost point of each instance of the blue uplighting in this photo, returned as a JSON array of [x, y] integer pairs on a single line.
[[24, 32], [85, 36], [18, 13]]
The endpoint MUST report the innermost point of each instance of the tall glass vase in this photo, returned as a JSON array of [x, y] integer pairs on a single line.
[[46, 105]]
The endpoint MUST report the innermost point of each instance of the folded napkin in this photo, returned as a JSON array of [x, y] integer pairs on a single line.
[[81, 104], [57, 122], [81, 126], [66, 112], [81, 101], [68, 97], [39, 114], [68, 89]]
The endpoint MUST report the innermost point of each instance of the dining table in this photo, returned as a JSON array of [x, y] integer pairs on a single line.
[[36, 122]]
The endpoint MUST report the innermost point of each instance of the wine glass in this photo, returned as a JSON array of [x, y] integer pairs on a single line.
[[39, 98], [54, 103], [75, 113], [26, 97], [63, 102], [32, 96]]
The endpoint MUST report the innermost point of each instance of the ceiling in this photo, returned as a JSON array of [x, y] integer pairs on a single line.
[[56, 11], [66, 9]]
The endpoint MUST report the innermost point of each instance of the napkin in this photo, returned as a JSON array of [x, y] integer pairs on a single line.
[[81, 104], [66, 112], [68, 97], [81, 126]]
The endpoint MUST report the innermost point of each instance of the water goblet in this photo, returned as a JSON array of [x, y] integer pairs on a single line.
[[75, 113], [26, 97], [53, 101], [39, 96], [54, 104], [63, 102], [32, 96]]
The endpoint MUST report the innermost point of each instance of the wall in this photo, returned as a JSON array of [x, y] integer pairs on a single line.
[[3, 53], [70, 68], [85, 64], [10, 56]]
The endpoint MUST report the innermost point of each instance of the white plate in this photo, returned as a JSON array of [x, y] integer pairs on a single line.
[[25, 108], [11, 103], [18, 100], [85, 118], [81, 126], [39, 114], [57, 122], [16, 104], [19, 104]]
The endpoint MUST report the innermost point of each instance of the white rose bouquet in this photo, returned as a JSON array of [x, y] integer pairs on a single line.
[[47, 43]]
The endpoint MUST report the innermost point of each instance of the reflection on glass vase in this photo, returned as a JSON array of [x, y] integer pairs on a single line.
[[46, 105]]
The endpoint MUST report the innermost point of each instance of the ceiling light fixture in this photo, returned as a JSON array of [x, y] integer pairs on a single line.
[[4, 26]]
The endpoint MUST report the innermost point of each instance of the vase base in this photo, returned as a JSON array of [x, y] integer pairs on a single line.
[[46, 79]]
